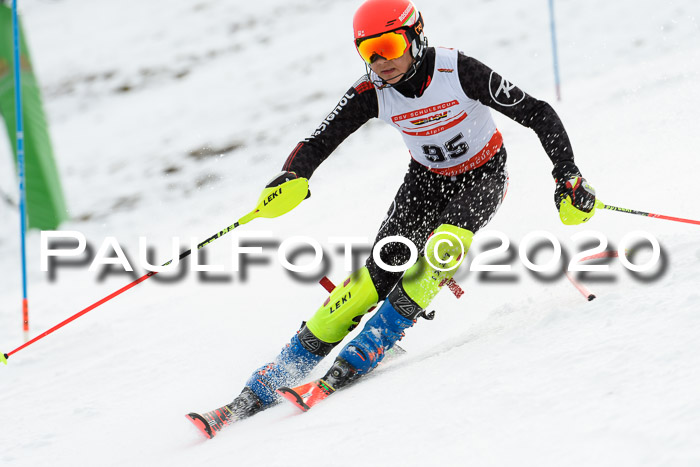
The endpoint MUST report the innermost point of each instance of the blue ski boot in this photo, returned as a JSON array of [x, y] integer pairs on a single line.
[[289, 368], [362, 354]]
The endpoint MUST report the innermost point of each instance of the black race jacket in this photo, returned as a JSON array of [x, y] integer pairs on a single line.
[[478, 81]]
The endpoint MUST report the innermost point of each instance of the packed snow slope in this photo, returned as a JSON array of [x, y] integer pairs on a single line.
[[168, 117]]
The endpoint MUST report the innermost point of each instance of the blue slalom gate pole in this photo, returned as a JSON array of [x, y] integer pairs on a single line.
[[20, 166], [557, 82]]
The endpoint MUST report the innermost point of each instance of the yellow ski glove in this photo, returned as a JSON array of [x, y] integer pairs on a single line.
[[575, 199]]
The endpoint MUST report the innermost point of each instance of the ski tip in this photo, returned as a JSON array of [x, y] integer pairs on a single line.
[[201, 424], [293, 397], [4, 357]]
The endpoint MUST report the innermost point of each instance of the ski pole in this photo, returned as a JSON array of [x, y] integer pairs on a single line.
[[272, 203], [600, 205], [587, 294], [118, 292]]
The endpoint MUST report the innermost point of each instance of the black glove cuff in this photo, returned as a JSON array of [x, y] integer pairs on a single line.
[[564, 170], [281, 178]]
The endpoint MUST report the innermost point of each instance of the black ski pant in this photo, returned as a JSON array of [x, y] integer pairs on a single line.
[[425, 200]]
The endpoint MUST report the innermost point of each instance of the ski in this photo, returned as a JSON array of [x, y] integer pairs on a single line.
[[304, 397], [307, 395], [210, 423]]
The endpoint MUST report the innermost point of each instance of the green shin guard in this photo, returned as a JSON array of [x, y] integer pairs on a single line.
[[344, 308], [446, 249]]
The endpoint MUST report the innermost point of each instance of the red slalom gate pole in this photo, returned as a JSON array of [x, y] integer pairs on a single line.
[[5, 356], [25, 315], [601, 205]]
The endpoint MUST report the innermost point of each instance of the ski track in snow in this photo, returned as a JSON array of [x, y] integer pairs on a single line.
[[168, 118]]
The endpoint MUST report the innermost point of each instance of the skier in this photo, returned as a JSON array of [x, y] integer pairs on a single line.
[[438, 99]]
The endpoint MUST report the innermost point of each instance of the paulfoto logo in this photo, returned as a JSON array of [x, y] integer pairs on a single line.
[[490, 251]]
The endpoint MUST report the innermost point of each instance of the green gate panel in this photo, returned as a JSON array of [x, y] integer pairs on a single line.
[[46, 206]]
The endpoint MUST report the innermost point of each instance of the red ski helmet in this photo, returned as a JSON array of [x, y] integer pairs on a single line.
[[387, 28]]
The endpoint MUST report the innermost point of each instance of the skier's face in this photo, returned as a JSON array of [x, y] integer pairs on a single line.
[[392, 71]]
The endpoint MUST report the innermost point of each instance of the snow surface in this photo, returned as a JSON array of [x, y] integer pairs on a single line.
[[169, 116]]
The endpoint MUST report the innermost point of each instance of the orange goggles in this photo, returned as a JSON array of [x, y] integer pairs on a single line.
[[389, 45]]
